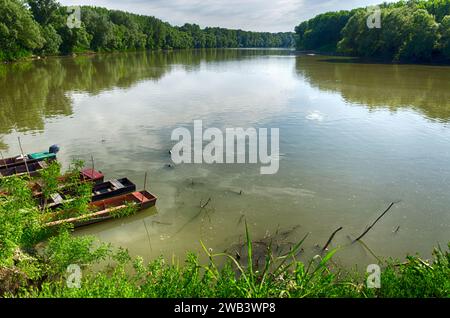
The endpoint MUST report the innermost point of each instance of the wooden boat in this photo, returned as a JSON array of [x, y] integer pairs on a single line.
[[112, 188], [100, 191], [106, 208], [19, 170], [36, 186], [30, 158], [89, 174]]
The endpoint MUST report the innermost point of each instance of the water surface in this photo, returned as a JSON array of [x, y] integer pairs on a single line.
[[354, 137]]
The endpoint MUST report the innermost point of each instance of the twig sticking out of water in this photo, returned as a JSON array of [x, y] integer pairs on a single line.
[[162, 223], [93, 164], [240, 219], [331, 238], [145, 181], [24, 158], [148, 236], [396, 229], [370, 251], [204, 205], [372, 225]]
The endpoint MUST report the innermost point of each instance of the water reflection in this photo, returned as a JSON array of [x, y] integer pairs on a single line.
[[382, 86], [33, 91]]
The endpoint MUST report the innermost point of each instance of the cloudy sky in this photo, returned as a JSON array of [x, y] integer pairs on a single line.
[[252, 15]]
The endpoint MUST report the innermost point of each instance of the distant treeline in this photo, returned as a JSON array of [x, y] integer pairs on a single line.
[[40, 27], [416, 30]]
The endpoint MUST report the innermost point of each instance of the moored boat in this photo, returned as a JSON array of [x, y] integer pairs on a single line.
[[30, 158], [32, 169], [101, 191], [112, 188], [36, 186], [105, 209], [90, 174]]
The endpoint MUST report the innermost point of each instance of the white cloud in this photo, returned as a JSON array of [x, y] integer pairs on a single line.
[[252, 15]]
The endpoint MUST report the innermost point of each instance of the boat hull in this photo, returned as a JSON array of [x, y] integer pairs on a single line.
[[101, 191], [106, 208], [31, 158], [31, 169]]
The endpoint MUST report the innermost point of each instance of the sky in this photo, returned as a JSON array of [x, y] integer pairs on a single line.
[[250, 15]]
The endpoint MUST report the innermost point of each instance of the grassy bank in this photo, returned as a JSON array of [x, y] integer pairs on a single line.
[[34, 262]]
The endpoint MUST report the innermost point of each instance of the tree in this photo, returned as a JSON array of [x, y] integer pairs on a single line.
[[101, 30], [110, 30], [322, 32], [445, 36], [43, 10], [421, 37], [75, 40], [19, 33], [410, 31], [52, 41]]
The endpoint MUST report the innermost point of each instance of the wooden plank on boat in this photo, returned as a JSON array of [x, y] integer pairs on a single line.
[[57, 198], [116, 184]]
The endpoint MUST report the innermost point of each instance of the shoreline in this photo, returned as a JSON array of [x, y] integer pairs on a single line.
[[366, 60], [337, 55]]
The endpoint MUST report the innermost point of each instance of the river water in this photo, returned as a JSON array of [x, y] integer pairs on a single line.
[[354, 137]]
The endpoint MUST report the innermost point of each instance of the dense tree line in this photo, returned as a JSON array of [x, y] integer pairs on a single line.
[[40, 27], [415, 30]]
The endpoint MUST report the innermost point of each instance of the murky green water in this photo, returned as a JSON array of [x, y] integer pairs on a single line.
[[353, 138]]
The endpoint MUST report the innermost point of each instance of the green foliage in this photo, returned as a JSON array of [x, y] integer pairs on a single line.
[[64, 250], [49, 179], [19, 33], [323, 32], [416, 278], [110, 30], [52, 41], [421, 37], [129, 209], [414, 31], [159, 279], [74, 40], [19, 219], [43, 11], [445, 32]]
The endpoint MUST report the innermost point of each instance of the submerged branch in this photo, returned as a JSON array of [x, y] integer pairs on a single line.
[[373, 224], [331, 238]]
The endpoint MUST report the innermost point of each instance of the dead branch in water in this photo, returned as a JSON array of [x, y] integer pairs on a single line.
[[240, 219], [373, 224], [204, 205], [331, 238], [370, 251], [162, 223]]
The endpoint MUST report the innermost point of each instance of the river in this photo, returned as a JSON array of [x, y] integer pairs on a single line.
[[354, 137]]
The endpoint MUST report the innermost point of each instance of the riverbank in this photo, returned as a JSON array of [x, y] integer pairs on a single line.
[[412, 32], [342, 57], [414, 278]]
